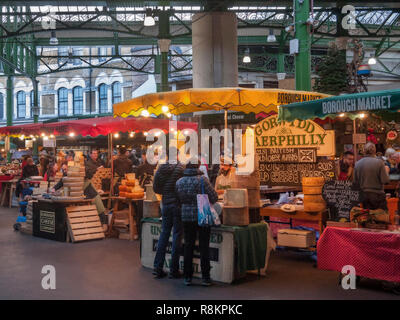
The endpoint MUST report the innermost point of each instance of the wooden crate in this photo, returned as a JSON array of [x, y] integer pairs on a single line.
[[84, 223]]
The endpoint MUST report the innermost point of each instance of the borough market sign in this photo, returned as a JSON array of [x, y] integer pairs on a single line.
[[270, 133]]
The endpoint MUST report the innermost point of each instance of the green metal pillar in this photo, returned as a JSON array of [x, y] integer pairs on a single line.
[[35, 111], [9, 110], [303, 58], [163, 34]]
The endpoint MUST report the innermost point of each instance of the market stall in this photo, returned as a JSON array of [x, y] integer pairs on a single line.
[[364, 239], [244, 190]]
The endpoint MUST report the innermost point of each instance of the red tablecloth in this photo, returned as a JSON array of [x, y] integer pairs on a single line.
[[4, 178], [374, 255]]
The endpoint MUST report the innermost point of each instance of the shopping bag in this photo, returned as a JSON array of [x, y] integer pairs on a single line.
[[206, 214]]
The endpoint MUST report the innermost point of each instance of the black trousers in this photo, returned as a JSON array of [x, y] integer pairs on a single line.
[[374, 201], [190, 230]]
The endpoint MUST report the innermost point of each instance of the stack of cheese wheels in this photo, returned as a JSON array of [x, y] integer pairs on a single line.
[[312, 189], [133, 189], [75, 178]]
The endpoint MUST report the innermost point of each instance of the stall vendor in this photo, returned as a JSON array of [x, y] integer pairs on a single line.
[[226, 175], [91, 167], [392, 161], [345, 166], [122, 164], [145, 171]]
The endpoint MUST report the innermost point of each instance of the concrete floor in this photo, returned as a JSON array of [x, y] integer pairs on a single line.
[[110, 269]]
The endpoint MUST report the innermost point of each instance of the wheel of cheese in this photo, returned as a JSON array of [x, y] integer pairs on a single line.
[[73, 184], [130, 183], [76, 189], [135, 195], [313, 181], [122, 194], [122, 188], [74, 174], [73, 179]]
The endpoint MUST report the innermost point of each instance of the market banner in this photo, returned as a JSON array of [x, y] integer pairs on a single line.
[[351, 104]]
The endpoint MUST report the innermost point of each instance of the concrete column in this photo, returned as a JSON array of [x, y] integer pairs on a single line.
[[215, 50]]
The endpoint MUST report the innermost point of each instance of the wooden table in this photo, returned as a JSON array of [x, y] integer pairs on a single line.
[[133, 216], [275, 211]]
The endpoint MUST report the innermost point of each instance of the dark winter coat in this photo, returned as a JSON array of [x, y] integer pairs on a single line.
[[122, 165], [165, 180], [91, 167], [187, 189]]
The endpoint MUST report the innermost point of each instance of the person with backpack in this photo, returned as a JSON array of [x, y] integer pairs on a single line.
[[164, 184]]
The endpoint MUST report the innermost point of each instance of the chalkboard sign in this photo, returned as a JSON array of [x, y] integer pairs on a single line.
[[340, 197], [287, 155], [290, 174]]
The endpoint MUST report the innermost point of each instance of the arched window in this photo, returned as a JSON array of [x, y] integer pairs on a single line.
[[1, 106], [63, 102], [32, 95], [77, 94], [116, 92], [103, 105], [21, 104]]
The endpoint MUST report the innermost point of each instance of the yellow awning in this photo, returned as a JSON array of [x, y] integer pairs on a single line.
[[192, 100]]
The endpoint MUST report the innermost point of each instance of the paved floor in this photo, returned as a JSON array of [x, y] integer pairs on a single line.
[[110, 269]]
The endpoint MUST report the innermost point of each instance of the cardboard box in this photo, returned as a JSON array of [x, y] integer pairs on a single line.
[[296, 238]]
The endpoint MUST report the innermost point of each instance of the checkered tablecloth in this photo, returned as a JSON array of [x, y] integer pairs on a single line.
[[374, 255]]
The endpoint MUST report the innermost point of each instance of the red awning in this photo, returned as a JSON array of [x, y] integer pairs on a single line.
[[95, 126]]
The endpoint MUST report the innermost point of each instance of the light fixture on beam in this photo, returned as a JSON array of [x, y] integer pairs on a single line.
[[372, 60], [53, 39], [246, 57], [149, 19], [271, 37]]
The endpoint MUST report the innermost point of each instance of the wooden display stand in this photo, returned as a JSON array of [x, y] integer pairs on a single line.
[[84, 223], [133, 218]]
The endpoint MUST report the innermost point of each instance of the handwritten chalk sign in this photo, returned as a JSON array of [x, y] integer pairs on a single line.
[[290, 174], [287, 155], [340, 197]]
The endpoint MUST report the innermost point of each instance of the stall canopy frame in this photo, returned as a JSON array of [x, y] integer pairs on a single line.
[[95, 126]]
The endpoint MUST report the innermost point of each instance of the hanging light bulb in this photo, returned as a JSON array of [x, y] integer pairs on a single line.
[[246, 58], [169, 115], [45, 138], [33, 139], [42, 134], [53, 39], [271, 37], [145, 113], [116, 135], [72, 134], [52, 136], [164, 109], [362, 115], [341, 115], [145, 133], [372, 60], [131, 134], [148, 19]]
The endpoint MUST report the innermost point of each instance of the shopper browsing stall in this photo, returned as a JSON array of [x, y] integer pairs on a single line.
[[187, 189], [164, 183], [370, 176]]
